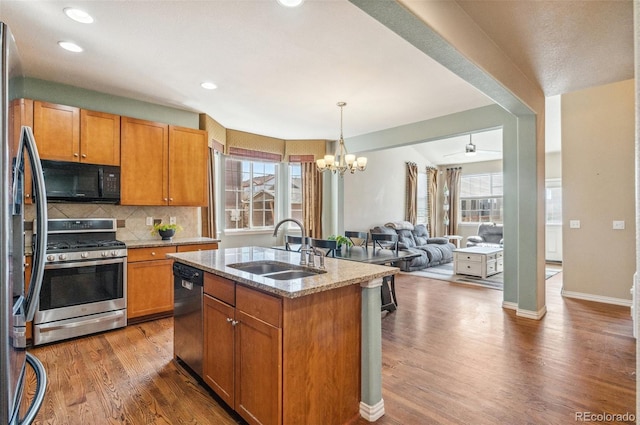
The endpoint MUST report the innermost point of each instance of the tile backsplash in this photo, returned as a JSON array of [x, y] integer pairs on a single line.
[[134, 217]]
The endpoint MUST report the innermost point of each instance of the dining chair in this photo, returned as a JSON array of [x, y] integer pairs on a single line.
[[361, 238], [384, 241], [292, 240], [390, 242], [328, 246]]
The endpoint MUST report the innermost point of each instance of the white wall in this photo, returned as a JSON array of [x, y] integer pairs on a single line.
[[377, 195]]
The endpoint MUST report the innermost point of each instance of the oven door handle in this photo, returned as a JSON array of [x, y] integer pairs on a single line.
[[52, 266], [104, 317], [27, 140]]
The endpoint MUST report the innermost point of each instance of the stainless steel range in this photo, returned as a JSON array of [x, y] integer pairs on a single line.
[[84, 288]]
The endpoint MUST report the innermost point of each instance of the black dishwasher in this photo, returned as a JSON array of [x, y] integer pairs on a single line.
[[187, 316]]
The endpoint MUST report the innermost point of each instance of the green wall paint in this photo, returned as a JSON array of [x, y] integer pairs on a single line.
[[88, 99]]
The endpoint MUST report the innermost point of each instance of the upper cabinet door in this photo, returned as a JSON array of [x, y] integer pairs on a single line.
[[144, 158], [57, 131], [21, 113], [99, 138], [188, 176]]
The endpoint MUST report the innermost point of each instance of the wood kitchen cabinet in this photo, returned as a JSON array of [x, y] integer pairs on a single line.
[[67, 133], [149, 283], [150, 280], [162, 164], [57, 131], [243, 349], [283, 360], [188, 176], [21, 113], [99, 138]]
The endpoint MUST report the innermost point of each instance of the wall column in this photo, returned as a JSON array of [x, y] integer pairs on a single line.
[[371, 403]]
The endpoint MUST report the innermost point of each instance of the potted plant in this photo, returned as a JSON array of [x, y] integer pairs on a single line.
[[341, 240], [166, 231]]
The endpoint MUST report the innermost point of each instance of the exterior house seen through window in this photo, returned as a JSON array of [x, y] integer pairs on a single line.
[[421, 201], [481, 198], [295, 191], [250, 194]]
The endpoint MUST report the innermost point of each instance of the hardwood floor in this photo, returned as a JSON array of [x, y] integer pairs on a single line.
[[451, 355]]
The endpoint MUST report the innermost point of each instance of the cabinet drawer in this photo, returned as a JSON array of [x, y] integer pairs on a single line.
[[499, 265], [469, 257], [491, 267], [147, 254], [220, 288], [499, 254], [259, 305], [197, 247], [469, 267]]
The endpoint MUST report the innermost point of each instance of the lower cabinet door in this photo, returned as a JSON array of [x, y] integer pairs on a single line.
[[149, 288], [258, 397], [218, 364]]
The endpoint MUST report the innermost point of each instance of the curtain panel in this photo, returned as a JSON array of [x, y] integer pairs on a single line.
[[411, 193], [432, 196], [312, 199], [453, 177]]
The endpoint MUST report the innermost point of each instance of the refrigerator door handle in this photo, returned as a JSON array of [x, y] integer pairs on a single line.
[[41, 386], [27, 140]]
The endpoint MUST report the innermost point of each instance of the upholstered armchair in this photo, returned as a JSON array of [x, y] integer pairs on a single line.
[[489, 234]]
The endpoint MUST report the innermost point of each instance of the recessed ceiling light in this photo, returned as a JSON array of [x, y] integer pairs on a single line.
[[208, 85], [291, 3], [72, 47], [78, 15]]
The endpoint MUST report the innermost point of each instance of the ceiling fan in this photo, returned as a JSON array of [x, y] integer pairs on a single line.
[[470, 149]]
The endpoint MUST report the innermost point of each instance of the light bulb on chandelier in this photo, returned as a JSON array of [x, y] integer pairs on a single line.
[[342, 160]]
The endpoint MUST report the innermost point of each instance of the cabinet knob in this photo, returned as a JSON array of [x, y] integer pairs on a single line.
[[234, 322], [171, 199], [75, 154], [84, 155], [27, 264], [165, 199], [153, 253], [27, 196]]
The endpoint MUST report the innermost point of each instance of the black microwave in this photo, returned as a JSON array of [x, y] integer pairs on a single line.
[[78, 182]]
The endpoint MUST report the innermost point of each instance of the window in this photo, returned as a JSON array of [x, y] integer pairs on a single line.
[[481, 198], [250, 194], [295, 191], [553, 201], [421, 202]]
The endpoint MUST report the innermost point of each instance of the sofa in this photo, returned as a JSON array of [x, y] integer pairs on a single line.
[[433, 251], [489, 235]]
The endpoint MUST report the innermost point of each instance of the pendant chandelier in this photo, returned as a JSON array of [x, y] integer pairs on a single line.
[[342, 160]]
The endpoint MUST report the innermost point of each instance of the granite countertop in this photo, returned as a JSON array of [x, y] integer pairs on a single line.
[[339, 273], [172, 242]]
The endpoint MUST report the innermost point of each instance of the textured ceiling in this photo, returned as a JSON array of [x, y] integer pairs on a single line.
[[281, 71], [563, 45]]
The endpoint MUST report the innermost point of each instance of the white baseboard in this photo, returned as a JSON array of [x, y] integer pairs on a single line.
[[596, 298], [510, 305], [372, 413], [536, 315], [530, 314]]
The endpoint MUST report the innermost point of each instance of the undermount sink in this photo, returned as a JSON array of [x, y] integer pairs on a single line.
[[293, 274], [276, 270], [258, 267]]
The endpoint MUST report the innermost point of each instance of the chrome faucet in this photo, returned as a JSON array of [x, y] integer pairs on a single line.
[[313, 252], [305, 248]]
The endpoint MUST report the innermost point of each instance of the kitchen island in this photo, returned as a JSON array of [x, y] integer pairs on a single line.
[[291, 351]]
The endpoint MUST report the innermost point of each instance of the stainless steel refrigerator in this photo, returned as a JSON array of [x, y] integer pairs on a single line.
[[17, 306]]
